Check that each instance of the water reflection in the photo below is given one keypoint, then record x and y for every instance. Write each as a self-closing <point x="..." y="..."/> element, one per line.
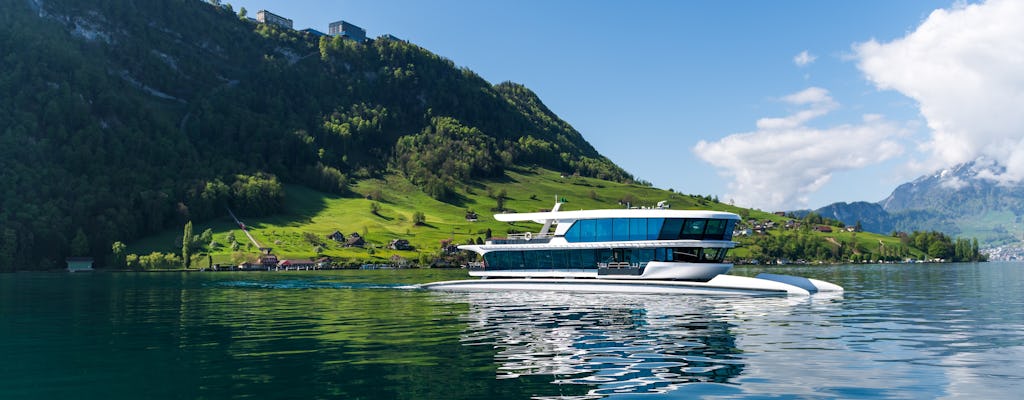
<point x="612" y="343"/>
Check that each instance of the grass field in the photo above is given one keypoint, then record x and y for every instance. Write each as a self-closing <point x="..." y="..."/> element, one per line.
<point x="309" y="213"/>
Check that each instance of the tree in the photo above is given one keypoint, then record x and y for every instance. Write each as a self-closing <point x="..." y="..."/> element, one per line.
<point x="375" y="208"/>
<point x="8" y="246"/>
<point x="242" y="12"/>
<point x="80" y="244"/>
<point x="118" y="249"/>
<point x="418" y="218"/>
<point x="500" y="203"/>
<point x="186" y="245"/>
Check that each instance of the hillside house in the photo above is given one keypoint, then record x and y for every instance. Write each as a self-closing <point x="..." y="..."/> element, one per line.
<point x="268" y="259"/>
<point x="337" y="236"/>
<point x="399" y="244"/>
<point x="296" y="264"/>
<point x="347" y="30"/>
<point x="313" y="32"/>
<point x="269" y="18"/>
<point x="354" y="240"/>
<point x="471" y="216"/>
<point x="399" y="261"/>
<point x="823" y="229"/>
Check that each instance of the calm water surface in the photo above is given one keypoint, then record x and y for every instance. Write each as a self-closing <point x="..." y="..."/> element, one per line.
<point x="900" y="331"/>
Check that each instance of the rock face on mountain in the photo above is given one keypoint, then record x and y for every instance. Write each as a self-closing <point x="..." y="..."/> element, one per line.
<point x="967" y="200"/>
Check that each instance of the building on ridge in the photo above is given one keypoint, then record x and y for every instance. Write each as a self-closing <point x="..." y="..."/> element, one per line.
<point x="347" y="30"/>
<point x="268" y="17"/>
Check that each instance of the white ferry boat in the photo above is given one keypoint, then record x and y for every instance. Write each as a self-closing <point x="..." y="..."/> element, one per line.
<point x="655" y="250"/>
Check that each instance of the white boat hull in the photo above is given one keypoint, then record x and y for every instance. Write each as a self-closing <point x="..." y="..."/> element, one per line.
<point x="719" y="285"/>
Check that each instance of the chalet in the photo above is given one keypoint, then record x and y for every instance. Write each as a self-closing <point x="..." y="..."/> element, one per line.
<point x="780" y="213"/>
<point x="79" y="264"/>
<point x="471" y="216"/>
<point x="823" y="229"/>
<point x="337" y="236"/>
<point x="399" y="244"/>
<point x="296" y="264"/>
<point x="268" y="259"/>
<point x="399" y="261"/>
<point x="354" y="240"/>
<point x="323" y="262"/>
<point x="447" y="247"/>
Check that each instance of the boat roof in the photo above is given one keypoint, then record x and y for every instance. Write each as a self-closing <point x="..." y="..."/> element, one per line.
<point x="570" y="216"/>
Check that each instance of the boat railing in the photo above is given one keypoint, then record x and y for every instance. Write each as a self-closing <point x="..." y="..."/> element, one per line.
<point x="528" y="237"/>
<point x="621" y="264"/>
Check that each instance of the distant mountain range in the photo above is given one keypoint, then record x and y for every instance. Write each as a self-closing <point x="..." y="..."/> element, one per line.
<point x="960" y="201"/>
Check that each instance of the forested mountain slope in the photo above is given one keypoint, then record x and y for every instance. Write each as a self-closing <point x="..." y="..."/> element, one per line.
<point x="121" y="118"/>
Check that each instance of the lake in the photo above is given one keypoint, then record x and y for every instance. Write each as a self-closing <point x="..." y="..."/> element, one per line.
<point x="899" y="331"/>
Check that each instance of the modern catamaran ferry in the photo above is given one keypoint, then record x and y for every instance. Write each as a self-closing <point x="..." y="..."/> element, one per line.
<point x="653" y="250"/>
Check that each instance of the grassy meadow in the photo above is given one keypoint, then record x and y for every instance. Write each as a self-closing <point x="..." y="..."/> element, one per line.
<point x="312" y="214"/>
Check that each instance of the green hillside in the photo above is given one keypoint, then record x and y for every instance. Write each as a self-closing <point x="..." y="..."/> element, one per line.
<point x="313" y="215"/>
<point x="122" y="119"/>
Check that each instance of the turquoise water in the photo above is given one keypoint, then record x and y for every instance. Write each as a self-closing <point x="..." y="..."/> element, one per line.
<point x="900" y="331"/>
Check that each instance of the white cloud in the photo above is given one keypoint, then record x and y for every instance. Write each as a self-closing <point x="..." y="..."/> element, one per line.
<point x="777" y="166"/>
<point x="965" y="68"/>
<point x="804" y="58"/>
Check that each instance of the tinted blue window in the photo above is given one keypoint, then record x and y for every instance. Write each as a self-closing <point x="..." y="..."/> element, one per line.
<point x="728" y="229"/>
<point x="621" y="229"/>
<point x="670" y="229"/>
<point x="588" y="229"/>
<point x="653" y="227"/>
<point x="604" y="230"/>
<point x="573" y="234"/>
<point x="715" y="229"/>
<point x="637" y="228"/>
<point x="693" y="229"/>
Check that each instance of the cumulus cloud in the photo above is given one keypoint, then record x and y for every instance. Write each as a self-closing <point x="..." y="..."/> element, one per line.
<point x="965" y="68"/>
<point x="784" y="160"/>
<point x="804" y="58"/>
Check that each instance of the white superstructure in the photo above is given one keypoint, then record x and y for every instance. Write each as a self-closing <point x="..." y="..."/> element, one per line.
<point x="625" y="250"/>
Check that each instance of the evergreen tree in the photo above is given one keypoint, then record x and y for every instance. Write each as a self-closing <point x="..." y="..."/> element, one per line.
<point x="186" y="245"/>
<point x="80" y="244"/>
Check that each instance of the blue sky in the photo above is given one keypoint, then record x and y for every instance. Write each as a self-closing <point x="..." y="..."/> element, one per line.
<point x="712" y="97"/>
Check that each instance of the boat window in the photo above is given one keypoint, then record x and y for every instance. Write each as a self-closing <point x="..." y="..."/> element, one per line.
<point x="687" y="254"/>
<point x="693" y="229"/>
<point x="642" y="255"/>
<point x="604" y="230"/>
<point x="637" y="228"/>
<point x="588" y="229"/>
<point x="653" y="227"/>
<point x="715" y="229"/>
<point x="728" y="229"/>
<point x="711" y="254"/>
<point x="620" y="229"/>
<point x="670" y="229"/>
<point x="573" y="233"/>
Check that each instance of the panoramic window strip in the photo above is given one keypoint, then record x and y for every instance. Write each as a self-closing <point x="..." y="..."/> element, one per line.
<point x="589" y="259"/>
<point x="633" y="229"/>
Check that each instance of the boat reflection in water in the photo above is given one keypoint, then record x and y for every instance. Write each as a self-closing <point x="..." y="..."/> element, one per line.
<point x="616" y="343"/>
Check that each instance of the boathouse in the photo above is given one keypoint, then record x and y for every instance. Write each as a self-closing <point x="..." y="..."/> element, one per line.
<point x="79" y="264"/>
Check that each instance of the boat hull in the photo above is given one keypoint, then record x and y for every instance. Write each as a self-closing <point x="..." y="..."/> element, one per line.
<point x="654" y="270"/>
<point x="719" y="285"/>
